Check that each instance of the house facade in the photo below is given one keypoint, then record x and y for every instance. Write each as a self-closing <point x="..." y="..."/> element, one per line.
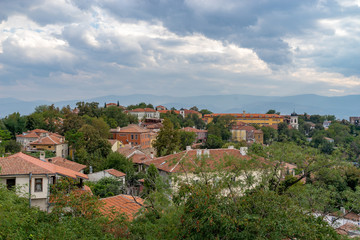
<point x="248" y="118"/>
<point x="201" y="135"/>
<point x="33" y="177"/>
<point x="132" y="134"/>
<point x="142" y="113"/>
<point x="41" y="140"/>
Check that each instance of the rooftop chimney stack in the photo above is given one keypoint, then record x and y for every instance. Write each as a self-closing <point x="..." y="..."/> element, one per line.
<point x="198" y="153"/>
<point x="188" y="148"/>
<point x="231" y="147"/>
<point x="243" y="151"/>
<point x="90" y="169"/>
<point x="206" y="152"/>
<point x="42" y="156"/>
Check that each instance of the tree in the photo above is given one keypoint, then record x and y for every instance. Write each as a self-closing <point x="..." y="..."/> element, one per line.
<point x="107" y="187"/>
<point x="270" y="134"/>
<point x="15" y="123"/>
<point x="205" y="111"/>
<point x="151" y="178"/>
<point x="213" y="141"/>
<point x="194" y="108"/>
<point x="186" y="139"/>
<point x="12" y="146"/>
<point x="168" y="139"/>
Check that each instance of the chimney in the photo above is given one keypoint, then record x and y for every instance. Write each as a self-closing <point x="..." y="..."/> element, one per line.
<point x="206" y="152"/>
<point x="243" y="151"/>
<point x="188" y="148"/>
<point x="231" y="147"/>
<point x="342" y="210"/>
<point x="42" y="156"/>
<point x="118" y="129"/>
<point x="198" y="153"/>
<point x="151" y="155"/>
<point x="90" y="169"/>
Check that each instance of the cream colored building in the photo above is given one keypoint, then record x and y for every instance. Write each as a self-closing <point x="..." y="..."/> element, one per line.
<point x="33" y="177"/>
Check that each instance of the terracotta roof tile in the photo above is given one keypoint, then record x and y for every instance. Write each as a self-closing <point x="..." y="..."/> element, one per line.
<point x="21" y="163"/>
<point x="246" y="115"/>
<point x="142" y="110"/>
<point x="190" y="129"/>
<point x="139" y="158"/>
<point x="49" y="140"/>
<point x="187" y="160"/>
<point x="133" y="128"/>
<point x="122" y="203"/>
<point x="115" y="173"/>
<point x="77" y="167"/>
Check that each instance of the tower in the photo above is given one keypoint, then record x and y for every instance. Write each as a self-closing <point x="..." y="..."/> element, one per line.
<point x="294" y="120"/>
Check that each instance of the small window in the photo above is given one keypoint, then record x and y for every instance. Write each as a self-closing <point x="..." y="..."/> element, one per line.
<point x="132" y="137"/>
<point x="49" y="146"/>
<point x="10" y="183"/>
<point x="136" y="136"/>
<point x="38" y="185"/>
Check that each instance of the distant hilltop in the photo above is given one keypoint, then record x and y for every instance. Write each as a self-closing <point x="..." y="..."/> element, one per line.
<point x="342" y="107"/>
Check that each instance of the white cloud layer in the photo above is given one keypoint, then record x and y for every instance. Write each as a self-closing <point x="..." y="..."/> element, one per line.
<point x="58" y="50"/>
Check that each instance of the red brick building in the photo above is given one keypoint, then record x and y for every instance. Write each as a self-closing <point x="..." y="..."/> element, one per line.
<point x="132" y="134"/>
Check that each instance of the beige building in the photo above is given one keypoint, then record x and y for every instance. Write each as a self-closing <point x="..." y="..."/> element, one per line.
<point x="33" y="177"/>
<point x="41" y="140"/>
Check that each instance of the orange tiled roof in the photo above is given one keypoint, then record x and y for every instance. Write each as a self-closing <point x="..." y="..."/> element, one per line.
<point x="29" y="135"/>
<point x="122" y="203"/>
<point x="112" y="141"/>
<point x="142" y="110"/>
<point x="77" y="167"/>
<point x="246" y="128"/>
<point x="186" y="160"/>
<point x="169" y="111"/>
<point x="126" y="151"/>
<point x="246" y="115"/>
<point x="190" y="129"/>
<point x="21" y="163"/>
<point x="115" y="172"/>
<point x="133" y="128"/>
<point x="49" y="140"/>
<point x="139" y="158"/>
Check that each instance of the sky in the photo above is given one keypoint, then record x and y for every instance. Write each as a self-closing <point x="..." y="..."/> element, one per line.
<point x="79" y="49"/>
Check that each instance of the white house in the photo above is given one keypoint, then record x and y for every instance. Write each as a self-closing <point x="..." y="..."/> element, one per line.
<point x="33" y="177"/>
<point x="96" y="176"/>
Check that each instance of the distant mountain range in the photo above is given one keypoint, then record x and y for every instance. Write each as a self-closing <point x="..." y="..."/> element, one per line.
<point x="341" y="107"/>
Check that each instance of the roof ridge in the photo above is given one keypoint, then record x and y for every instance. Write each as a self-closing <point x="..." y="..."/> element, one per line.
<point x="179" y="161"/>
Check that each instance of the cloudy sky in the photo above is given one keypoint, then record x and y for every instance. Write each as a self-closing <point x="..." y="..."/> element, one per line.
<point x="77" y="49"/>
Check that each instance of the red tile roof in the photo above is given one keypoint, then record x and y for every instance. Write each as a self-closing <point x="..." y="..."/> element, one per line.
<point x="77" y="167"/>
<point x="122" y="203"/>
<point x="246" y="128"/>
<point x="115" y="173"/>
<point x="346" y="228"/>
<point x="126" y="151"/>
<point x="187" y="160"/>
<point x="142" y="110"/>
<point x="190" y="129"/>
<point x="21" y="163"/>
<point x="29" y="135"/>
<point x="246" y="115"/>
<point x="139" y="158"/>
<point x="49" y="140"/>
<point x="112" y="141"/>
<point x="133" y="128"/>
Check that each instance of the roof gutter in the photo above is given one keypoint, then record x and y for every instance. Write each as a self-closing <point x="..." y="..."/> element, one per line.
<point x="30" y="175"/>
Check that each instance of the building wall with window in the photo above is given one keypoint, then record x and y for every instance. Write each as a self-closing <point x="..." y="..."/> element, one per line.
<point x="39" y="189"/>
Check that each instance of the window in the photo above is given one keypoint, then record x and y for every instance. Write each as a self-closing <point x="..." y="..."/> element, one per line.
<point x="135" y="136"/>
<point x="38" y="185"/>
<point x="132" y="137"/>
<point x="49" y="146"/>
<point x="10" y="183"/>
